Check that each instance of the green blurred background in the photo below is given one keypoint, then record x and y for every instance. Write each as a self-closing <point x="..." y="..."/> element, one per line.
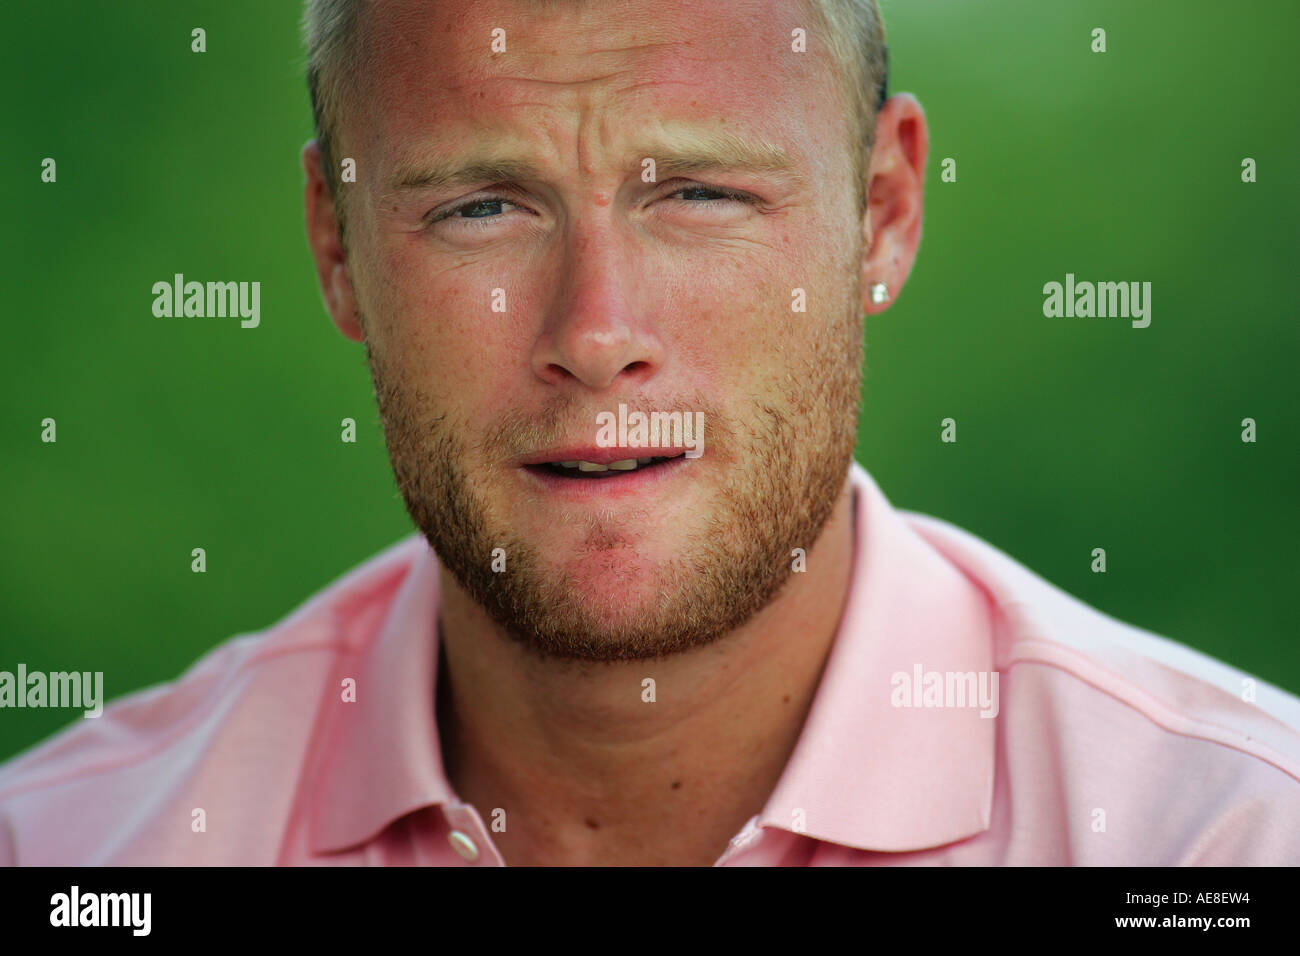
<point x="1072" y="433"/>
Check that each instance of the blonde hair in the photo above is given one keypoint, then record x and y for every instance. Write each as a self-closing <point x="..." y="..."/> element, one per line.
<point x="854" y="30"/>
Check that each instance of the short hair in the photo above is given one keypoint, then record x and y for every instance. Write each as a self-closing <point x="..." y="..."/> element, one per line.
<point x="854" y="30"/>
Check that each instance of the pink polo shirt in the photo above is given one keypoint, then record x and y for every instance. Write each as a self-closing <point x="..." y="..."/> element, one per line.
<point x="1104" y="744"/>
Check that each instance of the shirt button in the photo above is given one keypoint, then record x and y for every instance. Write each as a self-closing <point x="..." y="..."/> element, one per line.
<point x="463" y="845"/>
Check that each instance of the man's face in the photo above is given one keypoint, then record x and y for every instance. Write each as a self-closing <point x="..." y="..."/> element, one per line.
<point x="516" y="276"/>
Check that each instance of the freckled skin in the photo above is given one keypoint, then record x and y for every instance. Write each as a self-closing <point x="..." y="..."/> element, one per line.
<point x="617" y="291"/>
<point x="700" y="300"/>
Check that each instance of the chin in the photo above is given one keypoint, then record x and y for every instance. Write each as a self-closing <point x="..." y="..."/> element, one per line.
<point x="612" y="583"/>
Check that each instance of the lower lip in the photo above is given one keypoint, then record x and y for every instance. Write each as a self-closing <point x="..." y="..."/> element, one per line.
<point x="623" y="484"/>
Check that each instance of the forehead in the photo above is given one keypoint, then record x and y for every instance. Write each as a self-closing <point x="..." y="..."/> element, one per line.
<point x="602" y="72"/>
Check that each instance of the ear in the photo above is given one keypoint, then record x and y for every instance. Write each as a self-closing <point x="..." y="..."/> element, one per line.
<point x="327" y="246"/>
<point x="891" y="226"/>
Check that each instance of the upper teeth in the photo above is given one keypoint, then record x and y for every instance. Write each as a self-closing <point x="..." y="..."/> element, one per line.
<point x="627" y="464"/>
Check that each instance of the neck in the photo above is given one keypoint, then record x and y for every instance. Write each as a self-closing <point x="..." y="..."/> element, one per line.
<point x="589" y="773"/>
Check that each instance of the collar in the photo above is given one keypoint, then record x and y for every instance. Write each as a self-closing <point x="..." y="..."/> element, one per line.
<point x="383" y="758"/>
<point x="864" y="773"/>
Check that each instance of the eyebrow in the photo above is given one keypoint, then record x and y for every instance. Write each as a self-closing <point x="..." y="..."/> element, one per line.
<point x="720" y="152"/>
<point x="680" y="155"/>
<point x="461" y="172"/>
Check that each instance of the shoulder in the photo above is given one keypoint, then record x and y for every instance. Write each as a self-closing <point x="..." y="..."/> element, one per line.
<point x="1182" y="758"/>
<point x="236" y="724"/>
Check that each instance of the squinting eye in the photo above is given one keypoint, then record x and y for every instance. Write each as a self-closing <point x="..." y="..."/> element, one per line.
<point x="695" y="193"/>
<point x="705" y="194"/>
<point x="476" y="212"/>
<point x="478" y="209"/>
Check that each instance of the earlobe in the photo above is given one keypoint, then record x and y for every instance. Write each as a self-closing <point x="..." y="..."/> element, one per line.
<point x="877" y="268"/>
<point x="343" y="309"/>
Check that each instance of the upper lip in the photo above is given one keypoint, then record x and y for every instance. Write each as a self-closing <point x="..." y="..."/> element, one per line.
<point x="597" y="455"/>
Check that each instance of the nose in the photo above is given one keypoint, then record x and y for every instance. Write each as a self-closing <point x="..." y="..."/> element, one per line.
<point x="597" y="330"/>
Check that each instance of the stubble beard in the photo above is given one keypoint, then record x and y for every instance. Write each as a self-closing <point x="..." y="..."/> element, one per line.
<point x="788" y="465"/>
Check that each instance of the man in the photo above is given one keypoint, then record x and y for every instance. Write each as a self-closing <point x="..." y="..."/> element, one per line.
<point x="609" y="264"/>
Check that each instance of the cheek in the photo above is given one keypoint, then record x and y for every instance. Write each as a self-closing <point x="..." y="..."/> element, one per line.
<point x="439" y="328"/>
<point x="731" y="319"/>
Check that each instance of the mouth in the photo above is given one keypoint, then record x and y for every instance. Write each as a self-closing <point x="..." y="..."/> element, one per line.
<point x="601" y="474"/>
<point x="581" y="470"/>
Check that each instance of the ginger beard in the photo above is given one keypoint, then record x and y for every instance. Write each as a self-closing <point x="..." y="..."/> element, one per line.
<point x="782" y="469"/>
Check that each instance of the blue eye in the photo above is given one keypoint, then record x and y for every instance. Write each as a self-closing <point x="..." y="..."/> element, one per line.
<point x="475" y="211"/>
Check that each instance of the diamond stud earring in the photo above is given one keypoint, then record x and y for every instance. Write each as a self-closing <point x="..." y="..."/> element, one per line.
<point x="879" y="293"/>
